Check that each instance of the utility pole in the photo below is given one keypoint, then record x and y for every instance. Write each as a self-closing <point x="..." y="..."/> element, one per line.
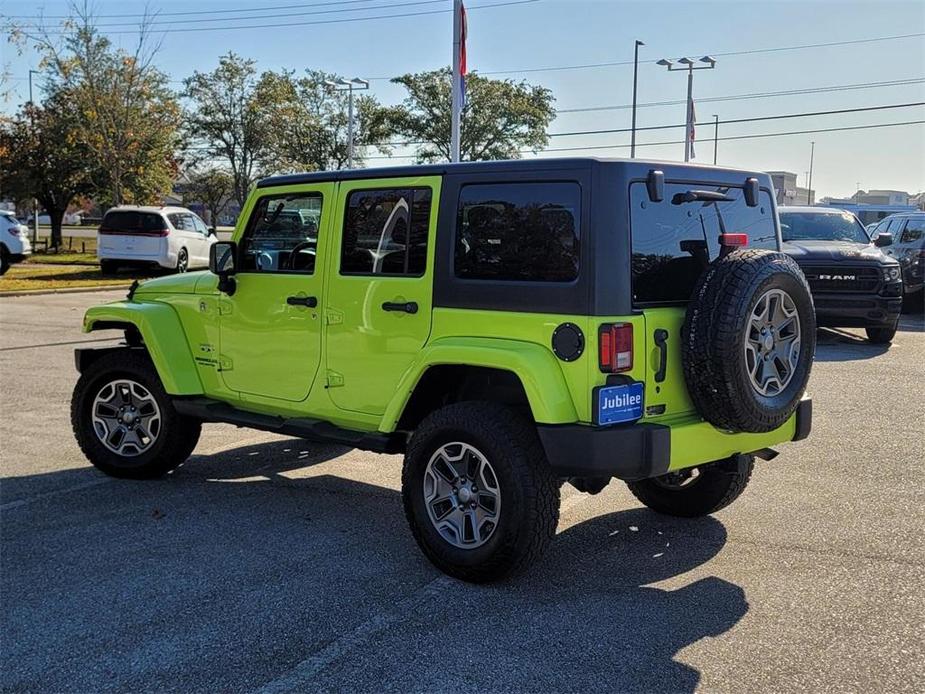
<point x="459" y="68"/>
<point x="715" y="137"/>
<point x="635" y="81"/>
<point x="688" y="65"/>
<point x="349" y="86"/>
<point x="809" y="184"/>
<point x="35" y="203"/>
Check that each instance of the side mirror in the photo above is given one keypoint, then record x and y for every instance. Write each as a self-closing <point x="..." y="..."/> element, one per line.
<point x="883" y="239"/>
<point x="212" y="231"/>
<point x="222" y="262"/>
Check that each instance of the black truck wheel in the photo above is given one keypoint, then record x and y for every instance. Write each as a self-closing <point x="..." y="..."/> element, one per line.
<point x="124" y="420"/>
<point x="882" y="335"/>
<point x="696" y="491"/>
<point x="748" y="340"/>
<point x="478" y="492"/>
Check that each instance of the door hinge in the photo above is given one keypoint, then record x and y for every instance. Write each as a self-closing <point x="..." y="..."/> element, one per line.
<point x="334" y="380"/>
<point x="333" y="317"/>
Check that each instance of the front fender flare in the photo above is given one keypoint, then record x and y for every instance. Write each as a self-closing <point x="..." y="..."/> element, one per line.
<point x="163" y="336"/>
<point x="535" y="366"/>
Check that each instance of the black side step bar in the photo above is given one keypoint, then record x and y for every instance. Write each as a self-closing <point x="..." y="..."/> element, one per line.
<point x="302" y="427"/>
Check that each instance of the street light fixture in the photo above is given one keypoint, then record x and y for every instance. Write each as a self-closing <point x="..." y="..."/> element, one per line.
<point x="349" y="86"/>
<point x="689" y="65"/>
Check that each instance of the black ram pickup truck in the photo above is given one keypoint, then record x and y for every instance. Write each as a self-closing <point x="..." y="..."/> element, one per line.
<point x="854" y="284"/>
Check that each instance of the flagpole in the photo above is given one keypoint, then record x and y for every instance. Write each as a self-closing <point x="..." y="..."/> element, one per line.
<point x="457" y="82"/>
<point x="690" y="112"/>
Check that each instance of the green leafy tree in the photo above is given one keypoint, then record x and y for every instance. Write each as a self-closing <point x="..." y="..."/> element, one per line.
<point x="228" y="121"/>
<point x="310" y="121"/>
<point x="211" y="187"/>
<point x="43" y="155"/>
<point x="129" y="119"/>
<point x="501" y="117"/>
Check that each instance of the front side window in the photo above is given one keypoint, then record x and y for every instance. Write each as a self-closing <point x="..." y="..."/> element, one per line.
<point x="385" y="232"/>
<point x="525" y="232"/>
<point x="915" y="229"/>
<point x="282" y="234"/>
<point x="675" y="239"/>
<point x="822" y="226"/>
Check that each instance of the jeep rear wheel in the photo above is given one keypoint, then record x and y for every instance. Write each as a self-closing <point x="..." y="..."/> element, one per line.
<point x="748" y="341"/>
<point x="478" y="492"/>
<point x="125" y="422"/>
<point x="696" y="491"/>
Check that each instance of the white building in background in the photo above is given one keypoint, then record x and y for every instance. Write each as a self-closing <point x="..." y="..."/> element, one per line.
<point x="881" y="197"/>
<point x="787" y="190"/>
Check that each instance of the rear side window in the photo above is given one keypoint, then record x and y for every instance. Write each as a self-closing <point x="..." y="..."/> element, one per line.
<point x="526" y="232"/>
<point x="129" y="221"/>
<point x="674" y="241"/>
<point x="385" y="232"/>
<point x="914" y="230"/>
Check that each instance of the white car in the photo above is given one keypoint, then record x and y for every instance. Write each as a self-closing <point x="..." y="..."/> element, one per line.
<point x="14" y="241"/>
<point x="168" y="237"/>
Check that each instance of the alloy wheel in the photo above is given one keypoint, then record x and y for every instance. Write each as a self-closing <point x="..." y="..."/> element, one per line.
<point x="772" y="342"/>
<point x="126" y="417"/>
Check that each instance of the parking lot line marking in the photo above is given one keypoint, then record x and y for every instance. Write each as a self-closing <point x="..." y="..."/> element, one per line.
<point x="299" y="677"/>
<point x="38" y="497"/>
<point x="58" y="344"/>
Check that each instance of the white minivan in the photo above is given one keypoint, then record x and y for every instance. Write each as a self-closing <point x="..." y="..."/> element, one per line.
<point x="14" y="241"/>
<point x="169" y="237"/>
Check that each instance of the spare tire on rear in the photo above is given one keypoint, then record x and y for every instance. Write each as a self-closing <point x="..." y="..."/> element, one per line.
<point x="748" y="341"/>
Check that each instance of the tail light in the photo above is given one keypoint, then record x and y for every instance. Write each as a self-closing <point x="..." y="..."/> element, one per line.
<point x="13" y="229"/>
<point x="733" y="239"/>
<point x="108" y="231"/>
<point x="616" y="347"/>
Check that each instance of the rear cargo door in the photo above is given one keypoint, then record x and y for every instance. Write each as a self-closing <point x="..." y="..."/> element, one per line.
<point x="132" y="234"/>
<point x="673" y="243"/>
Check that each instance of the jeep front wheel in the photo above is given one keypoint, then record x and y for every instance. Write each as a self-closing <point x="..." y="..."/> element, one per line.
<point x="478" y="492"/>
<point x="124" y="420"/>
<point x="696" y="491"/>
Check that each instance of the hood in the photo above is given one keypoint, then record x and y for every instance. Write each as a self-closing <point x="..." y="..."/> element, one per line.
<point x="172" y="284"/>
<point x="833" y="251"/>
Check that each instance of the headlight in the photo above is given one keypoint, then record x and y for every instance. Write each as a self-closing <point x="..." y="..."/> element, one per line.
<point x="891" y="273"/>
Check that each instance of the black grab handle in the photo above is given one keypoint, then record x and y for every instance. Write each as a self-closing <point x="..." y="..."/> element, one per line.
<point x="661" y="339"/>
<point x="309" y="301"/>
<point x="406" y="306"/>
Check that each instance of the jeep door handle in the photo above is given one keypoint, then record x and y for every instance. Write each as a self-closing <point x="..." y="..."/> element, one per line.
<point x="406" y="306"/>
<point x="308" y="301"/>
<point x="661" y="340"/>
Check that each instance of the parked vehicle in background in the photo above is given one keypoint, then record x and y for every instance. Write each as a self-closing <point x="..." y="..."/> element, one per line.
<point x="868" y="213"/>
<point x="167" y="237"/>
<point x="70" y="218"/>
<point x="14" y="241"/>
<point x="508" y="326"/>
<point x="854" y="284"/>
<point x="907" y="232"/>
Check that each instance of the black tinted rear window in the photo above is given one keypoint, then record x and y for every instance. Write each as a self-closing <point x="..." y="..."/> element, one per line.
<point x="519" y="231"/>
<point x="673" y="243"/>
<point x="129" y="221"/>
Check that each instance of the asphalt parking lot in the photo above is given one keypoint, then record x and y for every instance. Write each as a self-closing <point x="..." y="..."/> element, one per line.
<point x="272" y="564"/>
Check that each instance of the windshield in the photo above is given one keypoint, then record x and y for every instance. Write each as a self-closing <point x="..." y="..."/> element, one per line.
<point x="821" y="226"/>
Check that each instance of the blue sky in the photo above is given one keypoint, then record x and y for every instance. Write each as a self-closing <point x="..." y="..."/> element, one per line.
<point x="549" y="33"/>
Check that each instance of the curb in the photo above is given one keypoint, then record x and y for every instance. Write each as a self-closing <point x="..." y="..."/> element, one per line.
<point x="64" y="290"/>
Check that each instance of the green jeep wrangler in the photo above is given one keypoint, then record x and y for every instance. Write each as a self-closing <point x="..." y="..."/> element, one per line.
<point x="507" y="326"/>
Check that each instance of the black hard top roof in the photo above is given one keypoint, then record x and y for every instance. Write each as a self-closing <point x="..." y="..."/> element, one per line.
<point x="536" y="164"/>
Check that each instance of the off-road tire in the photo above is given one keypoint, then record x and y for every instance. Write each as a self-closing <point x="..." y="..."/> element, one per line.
<point x="178" y="433"/>
<point x="529" y="491"/>
<point x="713" y="336"/>
<point x="882" y="335"/>
<point x="717" y="486"/>
<point x="108" y="267"/>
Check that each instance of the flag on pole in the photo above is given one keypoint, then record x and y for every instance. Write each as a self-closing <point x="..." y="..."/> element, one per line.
<point x="692" y="119"/>
<point x="462" y="56"/>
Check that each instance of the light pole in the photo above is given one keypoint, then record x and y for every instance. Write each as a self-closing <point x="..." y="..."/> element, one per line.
<point x="35" y="203"/>
<point x="349" y="86"/>
<point x="809" y="183"/>
<point x="635" y="80"/>
<point x="715" y="136"/>
<point x="688" y="64"/>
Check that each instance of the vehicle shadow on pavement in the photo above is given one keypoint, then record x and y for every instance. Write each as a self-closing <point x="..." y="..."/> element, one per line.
<point x="836" y="344"/>
<point x="230" y="573"/>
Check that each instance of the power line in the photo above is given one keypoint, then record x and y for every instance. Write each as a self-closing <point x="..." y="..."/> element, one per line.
<point x="349" y="20"/>
<point x="681" y="142"/>
<point x="805" y="114"/>
<point x="753" y="95"/>
<point x="198" y="12"/>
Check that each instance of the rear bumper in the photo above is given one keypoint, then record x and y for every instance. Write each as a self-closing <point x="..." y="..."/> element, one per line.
<point x="856" y="310"/>
<point x="640" y="451"/>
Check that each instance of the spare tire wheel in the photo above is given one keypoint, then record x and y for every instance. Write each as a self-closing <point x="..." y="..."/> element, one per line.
<point x="748" y="340"/>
